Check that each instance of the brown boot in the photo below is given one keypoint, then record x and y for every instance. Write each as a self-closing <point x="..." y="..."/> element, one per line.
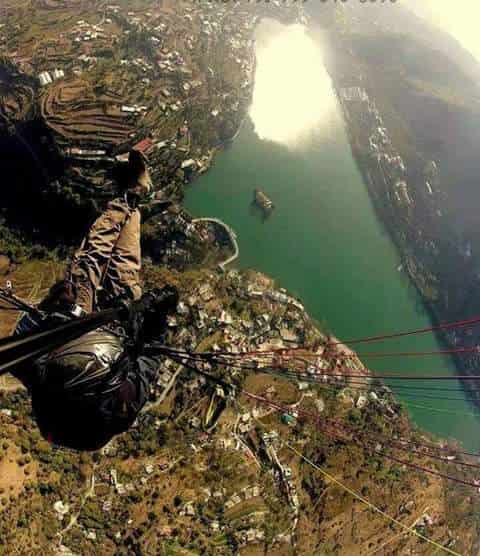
<point x="139" y="182"/>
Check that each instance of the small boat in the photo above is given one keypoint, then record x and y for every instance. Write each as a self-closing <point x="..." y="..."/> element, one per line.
<point x="263" y="201"/>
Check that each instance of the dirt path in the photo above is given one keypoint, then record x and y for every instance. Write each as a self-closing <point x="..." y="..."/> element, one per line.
<point x="89" y="493"/>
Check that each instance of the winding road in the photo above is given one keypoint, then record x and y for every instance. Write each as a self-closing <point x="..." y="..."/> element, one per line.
<point x="232" y="235"/>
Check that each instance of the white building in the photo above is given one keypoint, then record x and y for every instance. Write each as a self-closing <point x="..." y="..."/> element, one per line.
<point x="354" y="94"/>
<point x="190" y="163"/>
<point x="58" y="74"/>
<point x="45" y="78"/>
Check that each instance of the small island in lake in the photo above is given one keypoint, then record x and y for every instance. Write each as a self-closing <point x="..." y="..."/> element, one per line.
<point x="263" y="202"/>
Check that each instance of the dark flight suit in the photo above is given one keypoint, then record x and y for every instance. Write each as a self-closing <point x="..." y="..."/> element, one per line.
<point x="92" y="389"/>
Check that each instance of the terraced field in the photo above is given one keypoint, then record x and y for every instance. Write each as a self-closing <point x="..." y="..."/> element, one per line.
<point x="31" y="281"/>
<point x="74" y="112"/>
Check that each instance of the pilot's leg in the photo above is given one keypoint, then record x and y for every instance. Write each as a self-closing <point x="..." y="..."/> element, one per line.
<point x="109" y="257"/>
<point x="122" y="275"/>
<point x="94" y="260"/>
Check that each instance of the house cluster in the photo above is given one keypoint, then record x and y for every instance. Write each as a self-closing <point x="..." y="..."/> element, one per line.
<point x="140" y="63"/>
<point x="278" y="296"/>
<point x="176" y="237"/>
<point x="200" y="315"/>
<point x="160" y="50"/>
<point x="283" y="474"/>
<point x="61" y="509"/>
<point x="171" y="61"/>
<point x="249" y="536"/>
<point x="265" y="330"/>
<point x="413" y="196"/>
<point x="84" y="31"/>
<point x="239" y="334"/>
<point x="244" y="495"/>
<point x="391" y="168"/>
<point x="133" y="109"/>
<point x="354" y="94"/>
<point x="121" y="488"/>
<point x="167" y="371"/>
<point x="80" y="42"/>
<point x="245" y="423"/>
<point x="291" y="490"/>
<point x="47" y="77"/>
<point x="188" y="510"/>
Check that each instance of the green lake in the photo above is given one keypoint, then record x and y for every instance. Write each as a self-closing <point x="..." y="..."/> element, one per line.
<point x="324" y="241"/>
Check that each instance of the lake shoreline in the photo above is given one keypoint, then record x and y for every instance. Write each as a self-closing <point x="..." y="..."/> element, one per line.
<point x="411" y="263"/>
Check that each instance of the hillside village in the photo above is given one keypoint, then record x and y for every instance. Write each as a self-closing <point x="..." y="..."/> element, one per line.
<point x="86" y="82"/>
<point x="182" y="482"/>
<point x="409" y="180"/>
<point x="173" y="82"/>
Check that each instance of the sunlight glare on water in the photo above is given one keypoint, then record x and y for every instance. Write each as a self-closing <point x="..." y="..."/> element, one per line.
<point x="293" y="92"/>
<point x="459" y="18"/>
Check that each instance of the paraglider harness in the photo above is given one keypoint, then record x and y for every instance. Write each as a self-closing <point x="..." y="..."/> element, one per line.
<point x="59" y="330"/>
